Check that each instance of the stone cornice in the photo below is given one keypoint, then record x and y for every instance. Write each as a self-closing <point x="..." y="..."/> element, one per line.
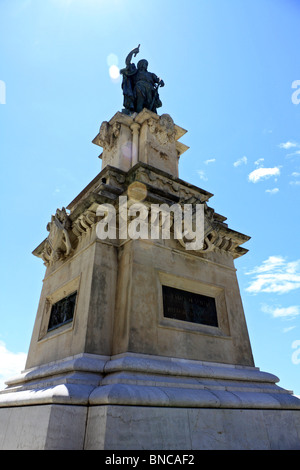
<point x="160" y="188"/>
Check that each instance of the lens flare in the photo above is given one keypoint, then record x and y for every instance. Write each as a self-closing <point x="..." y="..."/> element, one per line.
<point x="112" y="59"/>
<point x="137" y="191"/>
<point x="114" y="72"/>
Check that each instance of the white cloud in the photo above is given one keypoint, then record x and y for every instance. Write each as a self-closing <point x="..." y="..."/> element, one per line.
<point x="286" y="311"/>
<point x="297" y="152"/>
<point x="259" y="162"/>
<point x="11" y="364"/>
<point x="275" y="275"/>
<point x="271" y="263"/>
<point x="210" y="160"/>
<point x="288" y="145"/>
<point x="282" y="312"/>
<point x="263" y="173"/>
<point x="272" y="191"/>
<point x="295" y="174"/>
<point x="289" y="328"/>
<point x="241" y="161"/>
<point x="202" y="175"/>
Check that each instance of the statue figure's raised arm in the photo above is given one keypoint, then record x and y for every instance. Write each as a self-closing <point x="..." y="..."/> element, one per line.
<point x="140" y="87"/>
<point x="133" y="52"/>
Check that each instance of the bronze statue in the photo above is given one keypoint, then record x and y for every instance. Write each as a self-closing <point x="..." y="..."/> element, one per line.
<point x="140" y="87"/>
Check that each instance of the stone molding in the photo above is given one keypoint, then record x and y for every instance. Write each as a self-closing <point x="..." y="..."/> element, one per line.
<point x="143" y="380"/>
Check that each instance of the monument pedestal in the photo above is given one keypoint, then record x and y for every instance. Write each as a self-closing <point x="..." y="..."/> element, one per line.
<point x="140" y="342"/>
<point x="135" y="402"/>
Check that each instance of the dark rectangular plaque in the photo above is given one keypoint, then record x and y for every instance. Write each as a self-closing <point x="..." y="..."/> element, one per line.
<point x="62" y="312"/>
<point x="190" y="307"/>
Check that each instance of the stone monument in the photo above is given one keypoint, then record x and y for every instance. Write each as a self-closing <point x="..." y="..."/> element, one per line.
<point x="140" y="339"/>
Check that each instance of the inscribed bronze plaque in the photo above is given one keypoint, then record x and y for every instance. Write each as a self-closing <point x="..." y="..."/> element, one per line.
<point x="62" y="311"/>
<point x="188" y="306"/>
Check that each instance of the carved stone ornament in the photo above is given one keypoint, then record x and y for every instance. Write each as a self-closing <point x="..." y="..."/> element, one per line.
<point x="108" y="134"/>
<point x="84" y="223"/>
<point x="187" y="229"/>
<point x="58" y="244"/>
<point x="217" y="237"/>
<point x="164" y="128"/>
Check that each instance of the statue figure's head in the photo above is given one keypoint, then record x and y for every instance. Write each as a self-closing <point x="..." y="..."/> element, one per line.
<point x="142" y="64"/>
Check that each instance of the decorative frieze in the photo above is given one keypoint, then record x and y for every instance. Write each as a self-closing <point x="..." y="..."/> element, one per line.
<point x="65" y="231"/>
<point x="84" y="223"/>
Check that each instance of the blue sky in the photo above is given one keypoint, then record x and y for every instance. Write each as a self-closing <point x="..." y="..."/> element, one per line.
<point x="228" y="67"/>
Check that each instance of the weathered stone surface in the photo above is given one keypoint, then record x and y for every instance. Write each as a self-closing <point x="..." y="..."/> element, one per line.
<point x="144" y="137"/>
<point x="130" y="428"/>
<point x="45" y="427"/>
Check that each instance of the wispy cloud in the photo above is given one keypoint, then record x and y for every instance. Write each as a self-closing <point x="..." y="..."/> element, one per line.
<point x="282" y="312"/>
<point x="202" y="175"/>
<point x="297" y="152"/>
<point x="288" y="145"/>
<point x="275" y="275"/>
<point x="259" y="162"/>
<point x="289" y="328"/>
<point x="263" y="173"/>
<point x="241" y="161"/>
<point x="11" y="364"/>
<point x="295" y="174"/>
<point x="272" y="191"/>
<point x="210" y="160"/>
